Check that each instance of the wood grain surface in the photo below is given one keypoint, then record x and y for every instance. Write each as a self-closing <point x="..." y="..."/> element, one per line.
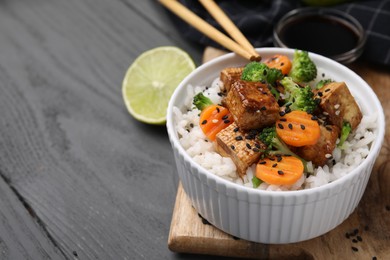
<point x="370" y="222"/>
<point x="81" y="179"/>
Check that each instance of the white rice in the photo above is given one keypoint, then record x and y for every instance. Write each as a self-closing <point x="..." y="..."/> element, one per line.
<point x="191" y="137"/>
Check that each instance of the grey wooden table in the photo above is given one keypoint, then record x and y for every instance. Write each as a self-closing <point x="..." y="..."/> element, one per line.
<point x="80" y="178"/>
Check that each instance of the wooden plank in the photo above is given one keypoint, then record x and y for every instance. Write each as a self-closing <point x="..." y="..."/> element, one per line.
<point x="190" y="234"/>
<point x="21" y="237"/>
<point x="101" y="183"/>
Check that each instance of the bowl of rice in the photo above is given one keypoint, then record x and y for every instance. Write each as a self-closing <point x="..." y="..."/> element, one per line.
<point x="272" y="214"/>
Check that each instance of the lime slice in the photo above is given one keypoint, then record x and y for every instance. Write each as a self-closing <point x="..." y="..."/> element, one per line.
<point x="150" y="81"/>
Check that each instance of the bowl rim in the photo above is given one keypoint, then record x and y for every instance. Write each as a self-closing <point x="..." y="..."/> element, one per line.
<point x="371" y="157"/>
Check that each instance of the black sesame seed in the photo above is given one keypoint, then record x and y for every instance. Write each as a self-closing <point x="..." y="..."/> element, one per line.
<point x="271" y="158"/>
<point x="274" y="165"/>
<point x="323" y="74"/>
<point x="248" y="146"/>
<point x="227" y="121"/>
<point x="290" y="126"/>
<point x="204" y="122"/>
<point x="354" y="249"/>
<point x="327" y="90"/>
<point x="319" y="94"/>
<point x="262" y="162"/>
<point x="256" y="150"/>
<point x="191" y="125"/>
<point x="220" y="94"/>
<point x="238" y="138"/>
<point x="236" y="129"/>
<point x="233" y="147"/>
<point x="218" y="109"/>
<point x="280" y="126"/>
<point x="280" y="172"/>
<point x="359" y="238"/>
<point x="347" y="235"/>
<point x="354" y="241"/>
<point x="282" y="64"/>
<point x="283" y="119"/>
<point x="279" y="158"/>
<point x="314" y="118"/>
<point x="282" y="113"/>
<point x="225" y="117"/>
<point x="263" y="108"/>
<point x="374" y="258"/>
<point x="303" y="127"/>
<point x="355" y="231"/>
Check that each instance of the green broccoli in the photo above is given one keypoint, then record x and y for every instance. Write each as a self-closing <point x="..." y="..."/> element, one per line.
<point x="201" y="101"/>
<point x="257" y="71"/>
<point x="345" y="131"/>
<point x="303" y="68"/>
<point x="299" y="98"/>
<point x="322" y="83"/>
<point x="275" y="146"/>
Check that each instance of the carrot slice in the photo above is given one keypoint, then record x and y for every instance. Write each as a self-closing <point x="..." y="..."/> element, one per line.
<point x="280" y="62"/>
<point x="298" y="128"/>
<point x="213" y="119"/>
<point x="281" y="170"/>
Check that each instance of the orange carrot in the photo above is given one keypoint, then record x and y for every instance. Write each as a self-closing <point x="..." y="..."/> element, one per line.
<point x="279" y="170"/>
<point x="298" y="128"/>
<point x="213" y="119"/>
<point x="280" y="62"/>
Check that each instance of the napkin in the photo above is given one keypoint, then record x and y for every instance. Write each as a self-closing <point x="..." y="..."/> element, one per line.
<point x="256" y="20"/>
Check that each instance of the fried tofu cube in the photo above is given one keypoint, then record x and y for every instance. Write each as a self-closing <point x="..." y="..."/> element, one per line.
<point x="339" y="105"/>
<point x="320" y="152"/>
<point x="242" y="147"/>
<point x="230" y="75"/>
<point x="252" y="105"/>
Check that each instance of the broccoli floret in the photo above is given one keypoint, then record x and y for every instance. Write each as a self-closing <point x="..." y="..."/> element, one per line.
<point x="275" y="146"/>
<point x="201" y="101"/>
<point x="299" y="98"/>
<point x="303" y="68"/>
<point x="345" y="131"/>
<point x="322" y="83"/>
<point x="257" y="71"/>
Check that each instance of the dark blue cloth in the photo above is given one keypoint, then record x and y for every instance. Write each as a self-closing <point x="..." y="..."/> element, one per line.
<point x="256" y="20"/>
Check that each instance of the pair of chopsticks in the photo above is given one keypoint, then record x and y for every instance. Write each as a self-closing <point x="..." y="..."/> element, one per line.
<point x="241" y="45"/>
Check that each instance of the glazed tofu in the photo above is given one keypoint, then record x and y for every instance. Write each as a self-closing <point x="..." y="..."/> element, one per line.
<point x="320" y="152"/>
<point x="252" y="105"/>
<point x="339" y="105"/>
<point x="230" y="75"/>
<point x="242" y="147"/>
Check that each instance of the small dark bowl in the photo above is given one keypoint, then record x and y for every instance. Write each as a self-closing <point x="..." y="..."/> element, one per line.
<point x="325" y="31"/>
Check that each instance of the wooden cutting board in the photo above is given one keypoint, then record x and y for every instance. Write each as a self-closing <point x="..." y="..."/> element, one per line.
<point x="364" y="235"/>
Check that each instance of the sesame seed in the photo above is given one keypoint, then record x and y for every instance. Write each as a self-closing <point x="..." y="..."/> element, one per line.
<point x="337" y="112"/>
<point x="347" y="235"/>
<point x="256" y="150"/>
<point x="227" y="121"/>
<point x="319" y="93"/>
<point x="191" y="125"/>
<point x="323" y="74"/>
<point x="280" y="172"/>
<point x="374" y="258"/>
<point x="215" y="121"/>
<point x="280" y="126"/>
<point x="354" y="249"/>
<point x="283" y="119"/>
<point x="204" y="122"/>
<point x="217" y="109"/>
<point x="327" y="90"/>
<point x="359" y="238"/>
<point x="274" y="165"/>
<point x="225" y="117"/>
<point x="282" y="64"/>
<point x="238" y="138"/>
<point x="248" y="146"/>
<point x="262" y="162"/>
<point x="290" y="126"/>
<point x="233" y="147"/>
<point x="303" y="127"/>
<point x="263" y="108"/>
<point x="236" y="129"/>
<point x="325" y="113"/>
<point x="282" y="113"/>
<point x="354" y="241"/>
<point x="328" y="155"/>
<point x="278" y="159"/>
<point x="336" y="106"/>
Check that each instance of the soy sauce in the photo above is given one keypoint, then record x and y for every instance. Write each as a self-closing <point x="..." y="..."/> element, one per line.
<point x="320" y="34"/>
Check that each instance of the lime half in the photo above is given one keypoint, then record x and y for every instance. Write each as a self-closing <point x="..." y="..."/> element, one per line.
<point x="150" y="81"/>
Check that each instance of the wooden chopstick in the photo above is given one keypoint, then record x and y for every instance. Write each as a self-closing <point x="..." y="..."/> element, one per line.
<point x="227" y="24"/>
<point x="204" y="27"/>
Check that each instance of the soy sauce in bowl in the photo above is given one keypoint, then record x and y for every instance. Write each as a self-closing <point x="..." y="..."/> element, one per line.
<point x="328" y="32"/>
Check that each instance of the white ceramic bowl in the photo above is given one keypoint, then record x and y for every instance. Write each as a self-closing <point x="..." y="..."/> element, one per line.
<point x="274" y="217"/>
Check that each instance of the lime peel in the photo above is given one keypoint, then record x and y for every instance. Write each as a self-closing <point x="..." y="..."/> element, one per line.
<point x="151" y="80"/>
